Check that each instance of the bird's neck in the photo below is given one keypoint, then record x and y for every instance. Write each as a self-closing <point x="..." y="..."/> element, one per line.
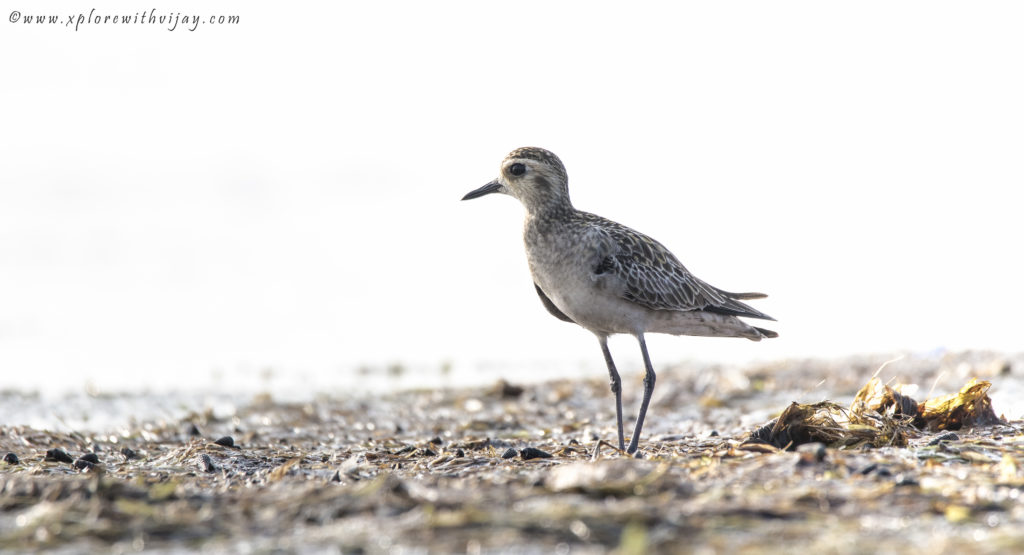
<point x="549" y="217"/>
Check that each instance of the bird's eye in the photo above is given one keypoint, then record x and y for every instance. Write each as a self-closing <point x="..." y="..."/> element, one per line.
<point x="517" y="169"/>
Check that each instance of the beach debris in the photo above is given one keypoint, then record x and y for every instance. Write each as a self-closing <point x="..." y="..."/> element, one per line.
<point x="504" y="390"/>
<point x="534" y="453"/>
<point x="970" y="407"/>
<point x="509" y="453"/>
<point x="948" y="436"/>
<point x="206" y="463"/>
<point x="618" y="476"/>
<point x="812" y="453"/>
<point x="58" y="455"/>
<point x="226" y="441"/>
<point x="880" y="415"/>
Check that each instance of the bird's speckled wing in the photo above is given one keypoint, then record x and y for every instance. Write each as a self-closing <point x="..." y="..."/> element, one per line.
<point x="655" y="278"/>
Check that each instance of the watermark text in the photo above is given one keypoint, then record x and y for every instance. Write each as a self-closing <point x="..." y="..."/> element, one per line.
<point x="172" y="21"/>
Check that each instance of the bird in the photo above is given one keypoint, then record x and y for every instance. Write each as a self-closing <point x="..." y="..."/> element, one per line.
<point x="610" y="279"/>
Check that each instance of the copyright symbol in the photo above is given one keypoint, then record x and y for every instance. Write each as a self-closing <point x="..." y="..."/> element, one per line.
<point x="15" y="16"/>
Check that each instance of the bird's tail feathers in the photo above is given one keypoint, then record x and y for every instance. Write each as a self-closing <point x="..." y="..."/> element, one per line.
<point x="766" y="333"/>
<point x="744" y="296"/>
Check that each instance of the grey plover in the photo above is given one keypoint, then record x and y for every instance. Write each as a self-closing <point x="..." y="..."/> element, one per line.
<point x="609" y="278"/>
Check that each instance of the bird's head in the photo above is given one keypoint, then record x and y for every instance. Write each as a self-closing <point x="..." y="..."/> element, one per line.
<point x="534" y="176"/>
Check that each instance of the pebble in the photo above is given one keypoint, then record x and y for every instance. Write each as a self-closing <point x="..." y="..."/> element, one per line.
<point x="812" y="452"/>
<point x="11" y="458"/>
<point x="904" y="480"/>
<point x="192" y="430"/>
<point x="90" y="457"/>
<point x="82" y="464"/>
<point x="947" y="436"/>
<point x="226" y="441"/>
<point x="58" y="455"/>
<point x="532" y="453"/>
<point x="509" y="453"/>
<point x="128" y="453"/>
<point x="207" y="463"/>
<point x="876" y="469"/>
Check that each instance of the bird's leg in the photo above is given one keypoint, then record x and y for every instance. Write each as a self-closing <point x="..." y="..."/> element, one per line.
<point x="616" y="387"/>
<point x="649" y="378"/>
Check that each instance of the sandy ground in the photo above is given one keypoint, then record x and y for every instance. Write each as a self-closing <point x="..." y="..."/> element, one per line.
<point x="512" y="468"/>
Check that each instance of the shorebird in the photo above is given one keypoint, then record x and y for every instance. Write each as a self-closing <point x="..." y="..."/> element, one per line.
<point x="608" y="278"/>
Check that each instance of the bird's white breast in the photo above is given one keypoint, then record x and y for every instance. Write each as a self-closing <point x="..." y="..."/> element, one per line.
<point x="563" y="263"/>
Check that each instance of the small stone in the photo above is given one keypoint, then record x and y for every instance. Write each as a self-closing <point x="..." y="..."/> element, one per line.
<point x="84" y="465"/>
<point x="812" y="452"/>
<point x="877" y="470"/>
<point x="427" y="452"/>
<point x="192" y="430"/>
<point x="947" y="436"/>
<point x="532" y="453"/>
<point x="226" y="441"/>
<point x="90" y="457"/>
<point x="713" y="433"/>
<point x="128" y="453"/>
<point x="509" y="453"/>
<point x="460" y="453"/>
<point x="436" y="440"/>
<point x="336" y="477"/>
<point x="905" y="480"/>
<point x="867" y="469"/>
<point x="11" y="458"/>
<point x="58" y="455"/>
<point x="207" y="463"/>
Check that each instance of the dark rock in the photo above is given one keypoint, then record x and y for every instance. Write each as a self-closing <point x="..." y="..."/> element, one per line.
<point x="82" y="464"/>
<point x="192" y="430"/>
<point x="90" y="457"/>
<point x="876" y="469"/>
<point x="947" y="436"/>
<point x="58" y="455"/>
<point x="905" y="480"/>
<point x="128" y="453"/>
<point x="436" y="440"/>
<point x="207" y="463"/>
<point x="460" y="453"/>
<point x="509" y="453"/>
<point x="532" y="453"/>
<point x="812" y="452"/>
<point x="226" y="441"/>
<point x="427" y="452"/>
<point x="11" y="458"/>
<point x="506" y="390"/>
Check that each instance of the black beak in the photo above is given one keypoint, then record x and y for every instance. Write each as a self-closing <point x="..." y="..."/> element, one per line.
<point x="491" y="187"/>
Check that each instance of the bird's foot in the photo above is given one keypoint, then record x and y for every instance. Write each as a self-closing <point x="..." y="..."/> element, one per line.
<point x="602" y="443"/>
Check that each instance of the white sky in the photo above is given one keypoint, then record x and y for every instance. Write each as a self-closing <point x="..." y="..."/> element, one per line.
<point x="284" y="192"/>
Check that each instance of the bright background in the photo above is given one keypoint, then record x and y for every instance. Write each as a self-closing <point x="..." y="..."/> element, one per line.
<point x="277" y="202"/>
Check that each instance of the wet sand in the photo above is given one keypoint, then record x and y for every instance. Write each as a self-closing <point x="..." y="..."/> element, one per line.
<point x="511" y="468"/>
